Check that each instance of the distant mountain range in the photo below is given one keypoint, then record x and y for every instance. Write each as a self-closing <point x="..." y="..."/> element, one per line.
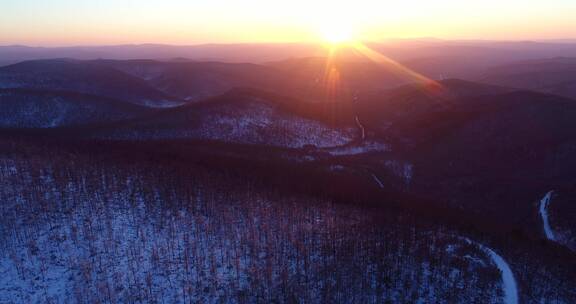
<point x="555" y="75"/>
<point x="485" y="52"/>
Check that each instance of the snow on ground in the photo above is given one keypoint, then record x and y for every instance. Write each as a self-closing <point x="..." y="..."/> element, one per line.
<point x="254" y="122"/>
<point x="336" y="168"/>
<point x="404" y="170"/>
<point x="364" y="147"/>
<point x="262" y="123"/>
<point x="544" y="203"/>
<point x="161" y="104"/>
<point x="509" y="284"/>
<point x="124" y="237"/>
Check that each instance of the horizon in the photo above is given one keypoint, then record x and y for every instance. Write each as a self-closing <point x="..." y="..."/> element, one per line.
<point x="431" y="40"/>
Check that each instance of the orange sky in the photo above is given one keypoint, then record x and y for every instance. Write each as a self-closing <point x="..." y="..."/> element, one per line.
<point x="80" y="22"/>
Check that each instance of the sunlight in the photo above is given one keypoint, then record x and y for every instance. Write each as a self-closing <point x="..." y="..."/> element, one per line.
<point x="394" y="66"/>
<point x="331" y="79"/>
<point x="340" y="31"/>
<point x="336" y="33"/>
<point x="336" y="29"/>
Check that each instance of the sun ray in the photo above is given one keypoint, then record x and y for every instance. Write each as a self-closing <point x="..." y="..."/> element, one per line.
<point x="394" y="66"/>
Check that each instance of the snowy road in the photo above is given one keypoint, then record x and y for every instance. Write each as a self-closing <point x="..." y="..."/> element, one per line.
<point x="378" y="181"/>
<point x="508" y="280"/>
<point x="361" y="127"/>
<point x="544" y="203"/>
<point x="363" y="138"/>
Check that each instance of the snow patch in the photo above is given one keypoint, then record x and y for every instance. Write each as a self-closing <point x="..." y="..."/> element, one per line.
<point x="404" y="170"/>
<point x="336" y="168"/>
<point x="252" y="123"/>
<point x="364" y="147"/>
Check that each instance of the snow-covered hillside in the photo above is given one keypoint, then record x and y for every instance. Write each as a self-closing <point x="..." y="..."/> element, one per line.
<point x="242" y="120"/>
<point x="47" y="109"/>
<point x="107" y="234"/>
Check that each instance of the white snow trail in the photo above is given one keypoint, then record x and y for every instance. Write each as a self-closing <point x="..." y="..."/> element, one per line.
<point x="508" y="280"/>
<point x="544" y="202"/>
<point x="361" y="127"/>
<point x="378" y="181"/>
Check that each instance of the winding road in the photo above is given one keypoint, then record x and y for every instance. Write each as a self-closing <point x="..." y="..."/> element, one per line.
<point x="363" y="138"/>
<point x="361" y="127"/>
<point x="378" y="181"/>
<point x="544" y="203"/>
<point x="510" y="286"/>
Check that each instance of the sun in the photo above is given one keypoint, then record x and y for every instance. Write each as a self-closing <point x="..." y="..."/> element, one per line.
<point x="336" y="32"/>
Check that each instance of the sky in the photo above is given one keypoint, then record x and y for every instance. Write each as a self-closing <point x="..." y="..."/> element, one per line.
<point x="184" y="22"/>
